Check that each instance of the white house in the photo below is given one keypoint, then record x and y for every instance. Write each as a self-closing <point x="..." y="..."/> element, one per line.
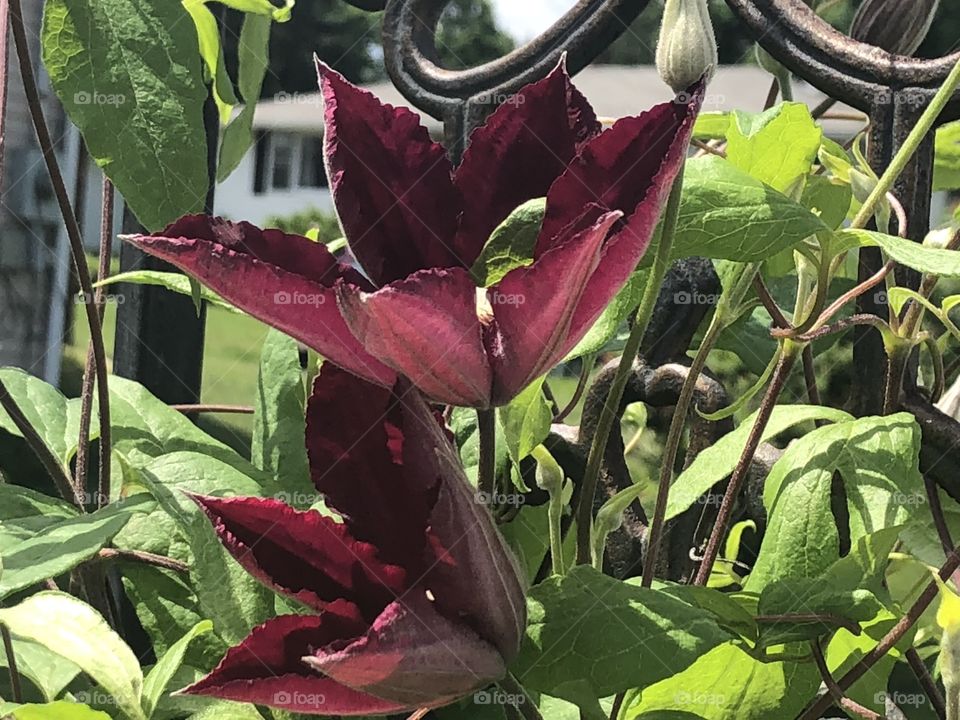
<point x="283" y="174"/>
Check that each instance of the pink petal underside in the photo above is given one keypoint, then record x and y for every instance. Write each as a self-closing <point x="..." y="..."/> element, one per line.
<point x="414" y="656"/>
<point x="425" y="327"/>
<point x="303" y="554"/>
<point x="518" y="153"/>
<point x="267" y="668"/>
<point x="355" y="439"/>
<point x="471" y="573"/>
<point x="636" y="158"/>
<point x="627" y="244"/>
<point x="391" y="183"/>
<point x="283" y="280"/>
<point x="534" y="306"/>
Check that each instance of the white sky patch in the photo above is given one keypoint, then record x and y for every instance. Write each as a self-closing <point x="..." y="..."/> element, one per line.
<point x="523" y="19"/>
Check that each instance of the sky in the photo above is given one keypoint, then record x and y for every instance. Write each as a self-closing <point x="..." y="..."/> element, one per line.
<point x="523" y="19"/>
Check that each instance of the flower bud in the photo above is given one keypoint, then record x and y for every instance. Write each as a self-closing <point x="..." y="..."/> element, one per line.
<point x="687" y="48"/>
<point x="897" y="26"/>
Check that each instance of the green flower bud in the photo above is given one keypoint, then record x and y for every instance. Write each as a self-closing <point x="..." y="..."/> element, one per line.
<point x="897" y="26"/>
<point x="687" y="48"/>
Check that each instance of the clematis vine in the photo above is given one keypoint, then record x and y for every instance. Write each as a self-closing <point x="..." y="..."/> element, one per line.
<point x="416" y="225"/>
<point x="417" y="602"/>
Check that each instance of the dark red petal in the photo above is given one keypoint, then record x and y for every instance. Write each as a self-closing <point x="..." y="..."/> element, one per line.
<point x="471" y="573"/>
<point x="391" y="183"/>
<point x="534" y="306"/>
<point x="284" y="280"/>
<point x="355" y="442"/>
<point x="633" y="161"/>
<point x="413" y="656"/>
<point x="425" y="327"/>
<point x="524" y="146"/>
<point x="267" y="668"/>
<point x="303" y="554"/>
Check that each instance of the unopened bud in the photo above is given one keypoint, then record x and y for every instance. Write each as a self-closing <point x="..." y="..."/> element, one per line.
<point x="687" y="48"/>
<point x="897" y="26"/>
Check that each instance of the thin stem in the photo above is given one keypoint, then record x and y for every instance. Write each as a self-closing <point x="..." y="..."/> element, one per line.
<point x="146" y="558"/>
<point x="896" y="365"/>
<point x="909" y="148"/>
<point x="206" y="408"/>
<point x="524" y="703"/>
<point x="55" y="469"/>
<point x="15" y="688"/>
<point x="780" y="374"/>
<point x="86" y="393"/>
<point x="674" y="435"/>
<point x="927" y="682"/>
<point x="818" y="707"/>
<point x="810" y="376"/>
<point x="487" y="470"/>
<point x="769" y="304"/>
<point x="617" y="704"/>
<point x="69" y="218"/>
<point x="586" y="363"/>
<point x="608" y="412"/>
<point x="840" y="326"/>
<point x="838" y="694"/>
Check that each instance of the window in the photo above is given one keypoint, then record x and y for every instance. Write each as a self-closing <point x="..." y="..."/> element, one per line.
<point x="312" y="172"/>
<point x="281" y="145"/>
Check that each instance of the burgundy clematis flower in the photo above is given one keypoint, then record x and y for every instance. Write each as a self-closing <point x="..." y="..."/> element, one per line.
<point x="417" y="225"/>
<point x="417" y="600"/>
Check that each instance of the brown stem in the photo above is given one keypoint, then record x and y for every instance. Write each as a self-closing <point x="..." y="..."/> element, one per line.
<point x="206" y="408"/>
<point x="780" y="374"/>
<point x="819" y="706"/>
<point x="525" y="704"/>
<point x="810" y="376"/>
<point x="147" y="558"/>
<point x="69" y="218"/>
<point x="587" y="366"/>
<point x="487" y="468"/>
<point x="820" y="110"/>
<point x="896" y="365"/>
<point x="55" y="469"/>
<point x="927" y="682"/>
<point x="834" y="690"/>
<point x="15" y="688"/>
<point x="769" y="304"/>
<point x="89" y="370"/>
<point x="669" y="459"/>
<point x="617" y="704"/>
<point x="840" y="326"/>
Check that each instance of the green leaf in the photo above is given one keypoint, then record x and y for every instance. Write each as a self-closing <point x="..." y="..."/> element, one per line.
<point x="946" y="169"/>
<point x="725" y="213"/>
<point x="24" y="512"/>
<point x="605" y="327"/>
<point x="262" y="7"/>
<point x="55" y="418"/>
<point x="160" y="675"/>
<point x="777" y="147"/>
<point x="586" y="628"/>
<point x="511" y="244"/>
<point x="728" y="613"/>
<point x="128" y="74"/>
<point x="208" y="36"/>
<point x="278" y="423"/>
<point x="48" y="671"/>
<point x="75" y="631"/>
<point x="247" y="603"/>
<point x="61" y="547"/>
<point x="525" y="420"/>
<point x="173" y="281"/>
<point x="253" y="51"/>
<point x="145" y="428"/>
<point x="937" y="261"/>
<point x="712" y="126"/>
<point x="728" y="684"/>
<point x="830" y="200"/>
<point x="718" y="461"/>
<point x="848" y="589"/>
<point x="745" y="397"/>
<point x="60" y="710"/>
<point x="877" y="458"/>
